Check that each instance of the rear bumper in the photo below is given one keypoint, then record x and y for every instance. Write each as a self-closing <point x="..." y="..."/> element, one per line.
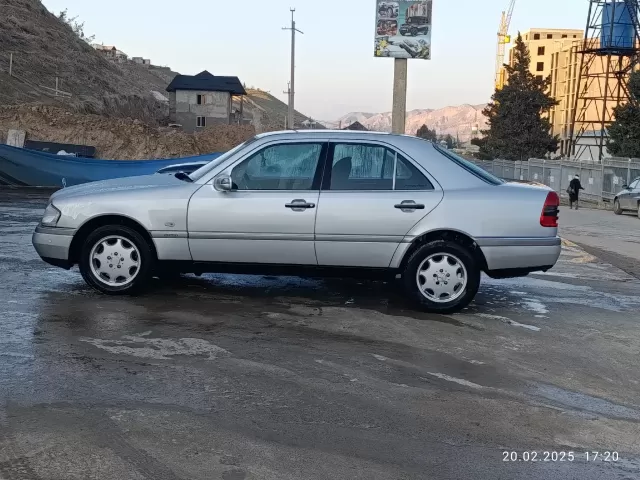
<point x="526" y="254"/>
<point x="53" y="245"/>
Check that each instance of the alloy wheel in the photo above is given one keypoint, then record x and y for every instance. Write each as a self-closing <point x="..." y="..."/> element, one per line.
<point x="115" y="261"/>
<point x="442" y="278"/>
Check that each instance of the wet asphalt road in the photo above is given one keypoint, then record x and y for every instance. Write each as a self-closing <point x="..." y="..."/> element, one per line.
<point x="239" y="377"/>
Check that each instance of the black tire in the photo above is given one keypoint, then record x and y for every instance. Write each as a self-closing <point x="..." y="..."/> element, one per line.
<point x="147" y="260"/>
<point x="616" y="207"/>
<point x="410" y="273"/>
<point x="414" y="32"/>
<point x="638" y="209"/>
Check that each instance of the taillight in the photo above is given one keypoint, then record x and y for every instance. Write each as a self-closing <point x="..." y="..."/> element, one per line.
<point x="550" y="210"/>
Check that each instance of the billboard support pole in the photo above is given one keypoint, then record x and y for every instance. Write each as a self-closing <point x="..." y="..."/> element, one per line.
<point x="399" y="110"/>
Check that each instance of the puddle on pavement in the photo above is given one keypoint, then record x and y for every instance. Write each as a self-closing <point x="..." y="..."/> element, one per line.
<point x="586" y="403"/>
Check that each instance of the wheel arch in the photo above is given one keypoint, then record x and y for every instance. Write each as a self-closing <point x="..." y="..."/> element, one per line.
<point x="103" y="220"/>
<point x="456" y="236"/>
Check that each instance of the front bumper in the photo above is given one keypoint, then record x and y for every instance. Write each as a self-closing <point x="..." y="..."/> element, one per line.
<point x="53" y="245"/>
<point x="520" y="253"/>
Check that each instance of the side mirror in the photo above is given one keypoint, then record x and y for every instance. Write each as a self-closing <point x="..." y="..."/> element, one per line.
<point x="223" y="183"/>
<point x="625" y="187"/>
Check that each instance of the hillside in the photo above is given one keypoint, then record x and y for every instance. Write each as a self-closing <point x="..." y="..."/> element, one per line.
<point x="118" y="138"/>
<point x="45" y="48"/>
<point x="449" y="120"/>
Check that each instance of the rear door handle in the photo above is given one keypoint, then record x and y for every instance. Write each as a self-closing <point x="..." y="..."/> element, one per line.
<point x="299" y="205"/>
<point x="409" y="205"/>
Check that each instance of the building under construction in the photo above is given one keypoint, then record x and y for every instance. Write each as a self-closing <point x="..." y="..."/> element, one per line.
<point x="589" y="72"/>
<point x="607" y="55"/>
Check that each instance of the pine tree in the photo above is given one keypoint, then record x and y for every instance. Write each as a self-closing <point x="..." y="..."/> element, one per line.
<point x="624" y="133"/>
<point x="518" y="129"/>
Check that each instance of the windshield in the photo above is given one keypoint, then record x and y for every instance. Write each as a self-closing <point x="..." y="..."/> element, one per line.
<point x="202" y="171"/>
<point x="469" y="166"/>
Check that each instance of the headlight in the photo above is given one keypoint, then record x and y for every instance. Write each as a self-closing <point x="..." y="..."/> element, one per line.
<point x="51" y="216"/>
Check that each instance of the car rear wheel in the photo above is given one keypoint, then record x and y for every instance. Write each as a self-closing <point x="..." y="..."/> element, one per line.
<point x="616" y="207"/>
<point x="442" y="277"/>
<point x="116" y="260"/>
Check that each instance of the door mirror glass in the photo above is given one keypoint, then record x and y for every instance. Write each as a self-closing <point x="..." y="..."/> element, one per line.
<point x="625" y="187"/>
<point x="223" y="183"/>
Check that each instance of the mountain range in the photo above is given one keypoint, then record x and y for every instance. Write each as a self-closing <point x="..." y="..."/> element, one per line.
<point x="460" y="121"/>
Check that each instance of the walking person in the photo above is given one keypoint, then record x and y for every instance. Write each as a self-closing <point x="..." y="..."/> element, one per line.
<point x="574" y="191"/>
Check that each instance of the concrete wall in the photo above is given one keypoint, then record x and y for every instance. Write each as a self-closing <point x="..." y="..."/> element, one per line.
<point x="184" y="108"/>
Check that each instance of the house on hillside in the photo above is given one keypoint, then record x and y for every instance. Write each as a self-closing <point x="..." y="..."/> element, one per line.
<point x="356" y="126"/>
<point x="141" y="61"/>
<point x="202" y="100"/>
<point x="111" y="53"/>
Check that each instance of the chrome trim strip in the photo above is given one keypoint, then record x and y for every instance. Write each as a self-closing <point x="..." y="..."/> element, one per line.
<point x="360" y="238"/>
<point x="69" y="232"/>
<point x="518" y="242"/>
<point x="298" y="237"/>
<point x="168" y="234"/>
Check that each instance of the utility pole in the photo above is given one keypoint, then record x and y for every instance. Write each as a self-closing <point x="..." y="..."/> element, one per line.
<point x="292" y="90"/>
<point x="287" y="119"/>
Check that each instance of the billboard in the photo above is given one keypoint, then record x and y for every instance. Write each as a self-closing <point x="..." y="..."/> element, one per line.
<point x="403" y="29"/>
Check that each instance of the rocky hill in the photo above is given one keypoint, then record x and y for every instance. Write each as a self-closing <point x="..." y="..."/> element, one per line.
<point x="458" y="120"/>
<point x="45" y="48"/>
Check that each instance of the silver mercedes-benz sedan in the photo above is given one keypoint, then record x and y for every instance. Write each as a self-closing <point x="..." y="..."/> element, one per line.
<point x="311" y="203"/>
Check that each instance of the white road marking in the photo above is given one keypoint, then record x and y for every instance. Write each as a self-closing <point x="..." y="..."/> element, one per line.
<point x="459" y="381"/>
<point x="379" y="357"/>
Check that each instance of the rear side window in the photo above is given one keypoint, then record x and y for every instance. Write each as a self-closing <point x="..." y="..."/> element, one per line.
<point x="371" y="167"/>
<point x="469" y="166"/>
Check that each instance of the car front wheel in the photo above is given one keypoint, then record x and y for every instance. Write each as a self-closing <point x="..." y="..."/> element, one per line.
<point x="442" y="277"/>
<point x="116" y="260"/>
<point x="616" y="207"/>
<point x="638" y="209"/>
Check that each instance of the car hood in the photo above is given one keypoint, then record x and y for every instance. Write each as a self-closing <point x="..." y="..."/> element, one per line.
<point x="118" y="185"/>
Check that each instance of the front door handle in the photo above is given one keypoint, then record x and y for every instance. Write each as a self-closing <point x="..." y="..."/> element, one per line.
<point x="300" y="205"/>
<point x="409" y="206"/>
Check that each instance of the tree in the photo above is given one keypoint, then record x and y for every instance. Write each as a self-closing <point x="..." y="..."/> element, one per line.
<point x="624" y="132"/>
<point x="518" y="127"/>
<point x="77" y="27"/>
<point x="427" y="134"/>
<point x="482" y="154"/>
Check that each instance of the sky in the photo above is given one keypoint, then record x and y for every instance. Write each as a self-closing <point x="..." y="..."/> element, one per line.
<point x="336" y="72"/>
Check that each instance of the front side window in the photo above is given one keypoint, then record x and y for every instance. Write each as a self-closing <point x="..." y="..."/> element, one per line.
<point x="279" y="167"/>
<point x="372" y="167"/>
<point x="635" y="185"/>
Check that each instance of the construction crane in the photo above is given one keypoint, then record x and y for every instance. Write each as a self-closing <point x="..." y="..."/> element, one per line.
<point x="503" y="39"/>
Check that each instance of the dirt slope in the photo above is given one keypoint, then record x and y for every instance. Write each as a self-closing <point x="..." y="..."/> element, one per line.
<point x="116" y="138"/>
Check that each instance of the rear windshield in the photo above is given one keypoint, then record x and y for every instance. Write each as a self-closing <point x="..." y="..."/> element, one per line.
<point x="469" y="166"/>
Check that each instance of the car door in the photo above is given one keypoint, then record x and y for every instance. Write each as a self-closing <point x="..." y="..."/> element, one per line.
<point x="371" y="198"/>
<point x="269" y="215"/>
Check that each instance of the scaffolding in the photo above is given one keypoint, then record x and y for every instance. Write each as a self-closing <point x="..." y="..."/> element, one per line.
<point x="609" y="52"/>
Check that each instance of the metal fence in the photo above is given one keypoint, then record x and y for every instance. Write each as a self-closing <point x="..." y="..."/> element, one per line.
<point x="602" y="181"/>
